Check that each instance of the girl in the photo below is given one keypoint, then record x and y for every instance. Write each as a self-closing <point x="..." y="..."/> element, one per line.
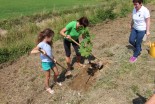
<point x="44" y="45"/>
<point x="140" y="26"/>
<point x="72" y="31"/>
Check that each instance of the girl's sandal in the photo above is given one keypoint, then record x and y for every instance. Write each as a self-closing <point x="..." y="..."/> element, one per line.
<point x="50" y="91"/>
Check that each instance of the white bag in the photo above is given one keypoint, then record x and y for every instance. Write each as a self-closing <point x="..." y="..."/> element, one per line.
<point x="145" y="38"/>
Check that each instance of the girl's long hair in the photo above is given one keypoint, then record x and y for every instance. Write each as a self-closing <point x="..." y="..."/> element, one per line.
<point x="45" y="33"/>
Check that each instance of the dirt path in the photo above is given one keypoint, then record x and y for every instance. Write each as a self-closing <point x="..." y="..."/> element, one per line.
<point x="117" y="83"/>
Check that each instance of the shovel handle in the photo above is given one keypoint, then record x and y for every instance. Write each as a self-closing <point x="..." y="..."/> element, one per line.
<point x="75" y="42"/>
<point x="45" y="54"/>
<point x="52" y="59"/>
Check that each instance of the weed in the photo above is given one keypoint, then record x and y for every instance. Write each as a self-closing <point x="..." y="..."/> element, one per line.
<point x="12" y="53"/>
<point x="135" y="89"/>
<point x="148" y="93"/>
<point x="109" y="53"/>
<point x="126" y="67"/>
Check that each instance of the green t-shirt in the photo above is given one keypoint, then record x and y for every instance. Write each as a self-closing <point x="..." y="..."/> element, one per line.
<point x="72" y="30"/>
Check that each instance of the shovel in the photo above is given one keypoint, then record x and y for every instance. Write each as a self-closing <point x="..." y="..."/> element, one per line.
<point x="53" y="60"/>
<point x="98" y="65"/>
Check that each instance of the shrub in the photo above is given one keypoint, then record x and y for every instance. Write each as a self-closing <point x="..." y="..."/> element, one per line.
<point x="9" y="54"/>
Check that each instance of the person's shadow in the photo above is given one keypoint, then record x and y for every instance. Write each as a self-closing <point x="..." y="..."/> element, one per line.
<point x="130" y="47"/>
<point x="62" y="76"/>
<point x="139" y="100"/>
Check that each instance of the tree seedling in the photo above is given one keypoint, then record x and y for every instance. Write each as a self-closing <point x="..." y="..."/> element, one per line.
<point x="86" y="44"/>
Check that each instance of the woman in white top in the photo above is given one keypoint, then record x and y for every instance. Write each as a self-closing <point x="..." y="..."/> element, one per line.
<point x="140" y="26"/>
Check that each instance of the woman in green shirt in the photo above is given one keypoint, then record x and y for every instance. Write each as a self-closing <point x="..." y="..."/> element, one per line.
<point x="73" y="30"/>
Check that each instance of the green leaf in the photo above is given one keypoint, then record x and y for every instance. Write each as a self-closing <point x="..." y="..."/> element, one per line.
<point x="86" y="44"/>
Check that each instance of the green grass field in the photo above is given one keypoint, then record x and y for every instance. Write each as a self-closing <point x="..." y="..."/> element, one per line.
<point x="15" y="8"/>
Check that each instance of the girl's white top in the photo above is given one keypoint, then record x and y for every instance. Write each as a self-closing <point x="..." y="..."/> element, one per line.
<point x="47" y="48"/>
<point x="139" y="18"/>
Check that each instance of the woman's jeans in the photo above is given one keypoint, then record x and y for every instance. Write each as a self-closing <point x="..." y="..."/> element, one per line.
<point x="136" y="38"/>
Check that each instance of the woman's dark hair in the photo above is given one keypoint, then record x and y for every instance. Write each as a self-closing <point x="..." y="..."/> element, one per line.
<point x="45" y="33"/>
<point x="83" y="21"/>
<point x="138" y="1"/>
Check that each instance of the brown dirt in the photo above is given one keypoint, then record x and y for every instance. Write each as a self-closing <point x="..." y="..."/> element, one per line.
<point x="82" y="81"/>
<point x="23" y="81"/>
<point x="85" y="78"/>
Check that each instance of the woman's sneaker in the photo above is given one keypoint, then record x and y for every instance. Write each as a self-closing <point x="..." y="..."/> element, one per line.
<point x="68" y="73"/>
<point x="133" y="59"/>
<point x="59" y="84"/>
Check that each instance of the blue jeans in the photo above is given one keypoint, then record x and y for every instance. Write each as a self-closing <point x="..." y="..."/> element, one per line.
<point x="136" y="38"/>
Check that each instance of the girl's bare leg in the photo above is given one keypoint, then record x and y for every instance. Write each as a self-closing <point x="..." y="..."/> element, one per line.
<point x="68" y="61"/>
<point x="56" y="73"/>
<point x="47" y="75"/>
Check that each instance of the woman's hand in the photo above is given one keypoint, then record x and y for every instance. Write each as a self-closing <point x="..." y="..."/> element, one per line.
<point x="131" y="29"/>
<point x="62" y="32"/>
<point x="55" y="61"/>
<point x="68" y="37"/>
<point x="148" y="33"/>
<point x="131" y="25"/>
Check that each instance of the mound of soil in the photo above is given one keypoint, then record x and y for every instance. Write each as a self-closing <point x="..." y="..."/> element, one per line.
<point x="85" y="78"/>
<point x="82" y="81"/>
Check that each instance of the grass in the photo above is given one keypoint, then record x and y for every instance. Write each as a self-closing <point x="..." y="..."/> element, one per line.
<point x="15" y="8"/>
<point x="126" y="67"/>
<point x="22" y="31"/>
<point x="135" y="89"/>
